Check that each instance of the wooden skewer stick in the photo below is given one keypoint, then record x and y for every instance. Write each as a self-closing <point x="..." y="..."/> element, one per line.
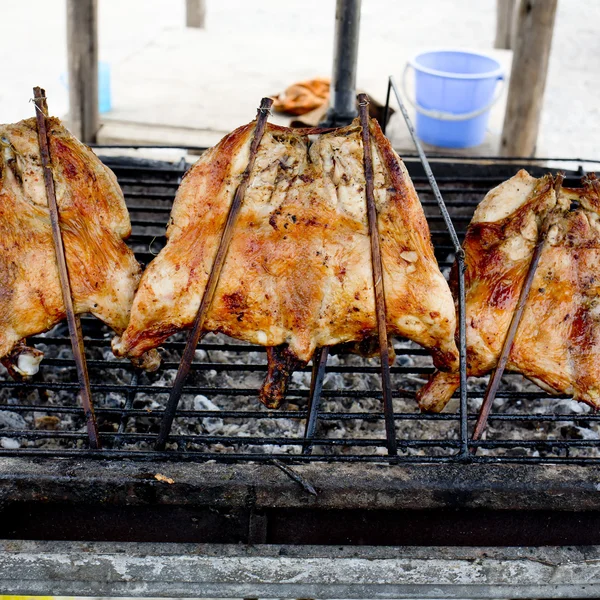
<point x="388" y="408"/>
<point x="496" y="377"/>
<point x="213" y="280"/>
<point x="41" y="113"/>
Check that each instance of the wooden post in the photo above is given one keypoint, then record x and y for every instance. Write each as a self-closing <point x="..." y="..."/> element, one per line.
<point x="82" y="48"/>
<point x="535" y="24"/>
<point x="195" y="13"/>
<point x="505" y="22"/>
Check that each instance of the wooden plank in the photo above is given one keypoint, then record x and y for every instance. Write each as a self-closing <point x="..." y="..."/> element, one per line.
<point x="505" y="23"/>
<point x="82" y="49"/>
<point x="195" y="13"/>
<point x="535" y="24"/>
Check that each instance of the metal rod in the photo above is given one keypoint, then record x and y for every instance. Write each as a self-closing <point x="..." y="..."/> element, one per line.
<point x="462" y="352"/>
<point x="496" y="377"/>
<point x="343" y="79"/>
<point x="314" y="398"/>
<point x="74" y="323"/>
<point x="380" y="310"/>
<point x="460" y="260"/>
<point x="427" y="168"/>
<point x="213" y="279"/>
<point x="387" y="107"/>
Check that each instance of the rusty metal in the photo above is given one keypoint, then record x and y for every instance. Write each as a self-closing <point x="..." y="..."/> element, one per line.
<point x="213" y="279"/>
<point x="41" y="113"/>
<point x="376" y="261"/>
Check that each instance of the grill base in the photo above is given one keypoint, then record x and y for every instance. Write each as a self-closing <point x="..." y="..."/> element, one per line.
<point x="504" y="505"/>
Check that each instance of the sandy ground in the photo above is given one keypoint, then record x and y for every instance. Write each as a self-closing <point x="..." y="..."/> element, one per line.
<point x="250" y="46"/>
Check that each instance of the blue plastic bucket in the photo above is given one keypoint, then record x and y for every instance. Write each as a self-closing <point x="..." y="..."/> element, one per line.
<point x="104" y="95"/>
<point x="455" y="91"/>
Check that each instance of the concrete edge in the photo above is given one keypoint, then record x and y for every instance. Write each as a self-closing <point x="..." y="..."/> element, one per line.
<point x="188" y="570"/>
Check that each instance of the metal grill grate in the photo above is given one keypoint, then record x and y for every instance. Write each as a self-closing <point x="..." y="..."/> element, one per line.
<point x="220" y="417"/>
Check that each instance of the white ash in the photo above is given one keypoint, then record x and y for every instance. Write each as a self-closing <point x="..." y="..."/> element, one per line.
<point x="11" y="420"/>
<point x="9" y="443"/>
<point x="210" y="424"/>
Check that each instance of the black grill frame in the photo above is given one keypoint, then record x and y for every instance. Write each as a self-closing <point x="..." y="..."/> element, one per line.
<point x="149" y="189"/>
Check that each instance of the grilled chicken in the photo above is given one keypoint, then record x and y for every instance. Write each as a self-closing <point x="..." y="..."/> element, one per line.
<point x="298" y="271"/>
<point x="103" y="271"/>
<point x="557" y="344"/>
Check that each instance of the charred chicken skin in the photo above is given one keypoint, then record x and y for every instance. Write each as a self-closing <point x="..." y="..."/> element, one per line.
<point x="103" y="272"/>
<point x="298" y="271"/>
<point x="557" y="344"/>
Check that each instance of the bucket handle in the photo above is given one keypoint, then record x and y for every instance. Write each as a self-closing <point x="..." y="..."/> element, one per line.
<point x="446" y="116"/>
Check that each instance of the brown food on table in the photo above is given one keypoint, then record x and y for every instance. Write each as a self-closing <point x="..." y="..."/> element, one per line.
<point x="298" y="271"/>
<point x="557" y="344"/>
<point x="94" y="221"/>
<point x="303" y="97"/>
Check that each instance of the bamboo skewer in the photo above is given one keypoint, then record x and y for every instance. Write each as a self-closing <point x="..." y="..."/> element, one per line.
<point x="213" y="280"/>
<point x="73" y="320"/>
<point x="380" y="309"/>
<point x="496" y="377"/>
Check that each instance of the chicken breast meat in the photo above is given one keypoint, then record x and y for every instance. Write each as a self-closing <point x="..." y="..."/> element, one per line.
<point x="298" y="272"/>
<point x="94" y="221"/>
<point x="557" y="344"/>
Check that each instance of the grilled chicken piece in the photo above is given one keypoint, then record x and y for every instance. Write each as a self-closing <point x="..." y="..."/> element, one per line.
<point x="298" y="272"/>
<point x="557" y="344"/>
<point x="103" y="271"/>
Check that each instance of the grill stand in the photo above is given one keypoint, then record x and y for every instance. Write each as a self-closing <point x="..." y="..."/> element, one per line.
<point x="369" y="507"/>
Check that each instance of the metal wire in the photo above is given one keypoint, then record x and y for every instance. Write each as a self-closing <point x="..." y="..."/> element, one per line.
<point x="130" y="405"/>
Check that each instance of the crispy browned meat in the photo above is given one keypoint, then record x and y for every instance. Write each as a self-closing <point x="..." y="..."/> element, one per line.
<point x="103" y="271"/>
<point x="298" y="272"/>
<point x="557" y="344"/>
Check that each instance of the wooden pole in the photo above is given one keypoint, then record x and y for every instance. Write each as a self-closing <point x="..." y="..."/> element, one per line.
<point x="535" y="24"/>
<point x="505" y="12"/>
<point x="82" y="49"/>
<point x="195" y="13"/>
